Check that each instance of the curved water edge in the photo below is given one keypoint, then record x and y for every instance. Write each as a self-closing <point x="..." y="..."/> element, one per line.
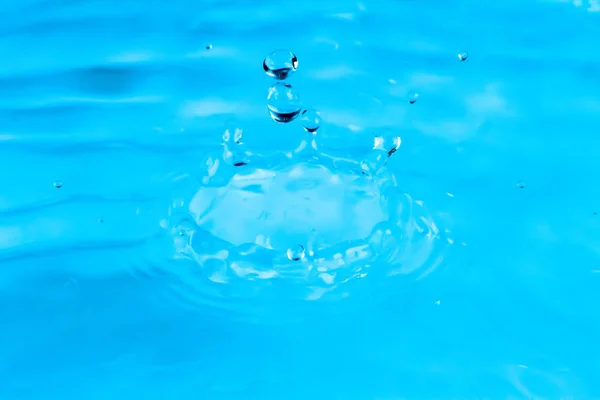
<point x="252" y="232"/>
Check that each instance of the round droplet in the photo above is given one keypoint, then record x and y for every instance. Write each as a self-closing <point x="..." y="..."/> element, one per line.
<point x="58" y="184"/>
<point x="233" y="133"/>
<point x="388" y="140"/>
<point x="311" y="120"/>
<point x="296" y="253"/>
<point x="280" y="64"/>
<point x="463" y="56"/>
<point x="283" y="103"/>
<point x="208" y="47"/>
<point x="521" y="185"/>
<point x="412" y="98"/>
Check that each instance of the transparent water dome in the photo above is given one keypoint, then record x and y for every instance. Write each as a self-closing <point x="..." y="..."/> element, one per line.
<point x="296" y="227"/>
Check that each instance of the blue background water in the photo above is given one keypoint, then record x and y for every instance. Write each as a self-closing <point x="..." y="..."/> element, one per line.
<point x="115" y="99"/>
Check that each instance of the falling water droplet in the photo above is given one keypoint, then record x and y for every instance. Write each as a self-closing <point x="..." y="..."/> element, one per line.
<point x="412" y="98"/>
<point x="388" y="140"/>
<point x="280" y="64"/>
<point x="233" y="149"/>
<point x="296" y="253"/>
<point x="463" y="56"/>
<point x="209" y="47"/>
<point x="283" y="103"/>
<point x="58" y="184"/>
<point x="521" y="185"/>
<point x="311" y="120"/>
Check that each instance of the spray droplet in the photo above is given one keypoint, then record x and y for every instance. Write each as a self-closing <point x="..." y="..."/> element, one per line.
<point x="296" y="253"/>
<point x="280" y="64"/>
<point x="283" y="103"/>
<point x="58" y="184"/>
<point x="463" y="56"/>
<point x="209" y="47"/>
<point x="521" y="185"/>
<point x="412" y="98"/>
<point x="311" y="120"/>
<point x="388" y="140"/>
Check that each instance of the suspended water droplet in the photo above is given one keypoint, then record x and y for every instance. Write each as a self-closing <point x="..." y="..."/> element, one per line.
<point x="233" y="149"/>
<point x="388" y="140"/>
<point x="296" y="253"/>
<point x="58" y="184"/>
<point x="311" y="120"/>
<point x="283" y="103"/>
<point x="412" y="98"/>
<point x="209" y="47"/>
<point x="521" y="185"/>
<point x="280" y="64"/>
<point x="232" y="133"/>
<point x="463" y="56"/>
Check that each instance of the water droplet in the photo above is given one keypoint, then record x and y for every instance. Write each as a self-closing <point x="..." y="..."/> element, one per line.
<point x="233" y="133"/>
<point x="521" y="185"/>
<point x="388" y="140"/>
<point x="296" y="253"/>
<point x="209" y="47"/>
<point x="412" y="98"/>
<point x="463" y="56"/>
<point x="311" y="120"/>
<point x="374" y="161"/>
<point x="58" y="184"/>
<point x="280" y="64"/>
<point x="233" y="149"/>
<point x="283" y="103"/>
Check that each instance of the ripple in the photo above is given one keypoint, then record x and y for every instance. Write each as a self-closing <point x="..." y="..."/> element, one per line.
<point x="291" y="230"/>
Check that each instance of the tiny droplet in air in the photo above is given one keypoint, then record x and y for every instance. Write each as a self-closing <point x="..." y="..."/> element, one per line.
<point x="296" y="253"/>
<point x="58" y="184"/>
<point x="388" y="140"/>
<point x="413" y="97"/>
<point x="463" y="56"/>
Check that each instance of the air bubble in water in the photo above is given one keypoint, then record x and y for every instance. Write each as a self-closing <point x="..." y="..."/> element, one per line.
<point x="280" y="64"/>
<point x="283" y="102"/>
<point x="463" y="56"/>
<point x="412" y="98"/>
<point x="296" y="253"/>
<point x="58" y="184"/>
<point x="387" y="140"/>
<point x="311" y="120"/>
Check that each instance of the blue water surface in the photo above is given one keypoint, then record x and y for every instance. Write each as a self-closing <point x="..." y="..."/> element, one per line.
<point x="130" y="269"/>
